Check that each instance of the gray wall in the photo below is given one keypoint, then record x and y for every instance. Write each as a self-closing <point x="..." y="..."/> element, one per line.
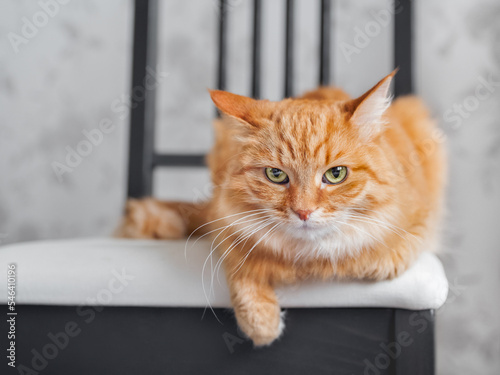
<point x="74" y="74"/>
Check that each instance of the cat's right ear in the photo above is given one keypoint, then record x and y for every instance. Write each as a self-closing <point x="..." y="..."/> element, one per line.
<point x="239" y="107"/>
<point x="367" y="111"/>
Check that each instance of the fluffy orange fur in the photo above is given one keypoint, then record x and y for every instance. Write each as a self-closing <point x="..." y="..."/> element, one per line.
<point x="372" y="225"/>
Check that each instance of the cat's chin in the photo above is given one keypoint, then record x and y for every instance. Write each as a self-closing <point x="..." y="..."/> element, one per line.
<point x="309" y="231"/>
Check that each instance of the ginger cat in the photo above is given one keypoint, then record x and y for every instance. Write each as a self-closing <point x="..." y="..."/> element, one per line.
<point x="320" y="186"/>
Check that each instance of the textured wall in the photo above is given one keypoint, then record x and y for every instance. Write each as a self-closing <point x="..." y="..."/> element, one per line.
<point x="60" y="82"/>
<point x="71" y="74"/>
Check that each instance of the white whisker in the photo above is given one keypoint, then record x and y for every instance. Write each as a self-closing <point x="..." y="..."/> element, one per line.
<point x="238" y="221"/>
<point x="365" y="232"/>
<point x="253" y="247"/>
<point x="243" y="237"/>
<point x="395" y="229"/>
<point x="213" y="221"/>
<point x="213" y="249"/>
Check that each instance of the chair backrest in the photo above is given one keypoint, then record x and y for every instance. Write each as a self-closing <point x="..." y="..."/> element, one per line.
<point x="142" y="156"/>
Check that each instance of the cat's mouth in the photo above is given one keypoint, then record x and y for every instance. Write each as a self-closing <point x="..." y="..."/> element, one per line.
<point x="306" y="225"/>
<point x="309" y="227"/>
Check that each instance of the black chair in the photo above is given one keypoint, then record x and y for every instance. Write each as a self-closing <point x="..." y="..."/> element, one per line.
<point x="345" y="336"/>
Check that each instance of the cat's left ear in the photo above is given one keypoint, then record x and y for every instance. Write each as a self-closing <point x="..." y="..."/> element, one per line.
<point x="238" y="107"/>
<point x="367" y="111"/>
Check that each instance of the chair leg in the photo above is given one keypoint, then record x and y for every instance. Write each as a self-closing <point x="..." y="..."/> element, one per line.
<point x="413" y="348"/>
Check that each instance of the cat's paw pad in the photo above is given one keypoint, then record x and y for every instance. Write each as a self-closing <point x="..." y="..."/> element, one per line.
<point x="148" y="218"/>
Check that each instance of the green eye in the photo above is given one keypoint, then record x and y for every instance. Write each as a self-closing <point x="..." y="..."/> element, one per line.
<point x="335" y="175"/>
<point x="276" y="175"/>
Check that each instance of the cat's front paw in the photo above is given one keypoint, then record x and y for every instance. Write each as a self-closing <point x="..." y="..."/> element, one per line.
<point x="149" y="218"/>
<point x="386" y="269"/>
<point x="263" y="324"/>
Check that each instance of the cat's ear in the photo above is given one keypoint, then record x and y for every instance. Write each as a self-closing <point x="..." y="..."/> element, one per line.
<point x="236" y="106"/>
<point x="367" y="111"/>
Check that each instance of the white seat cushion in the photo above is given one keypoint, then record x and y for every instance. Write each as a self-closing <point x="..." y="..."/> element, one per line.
<point x="156" y="273"/>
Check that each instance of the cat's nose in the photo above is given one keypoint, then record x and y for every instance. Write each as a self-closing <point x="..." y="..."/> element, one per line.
<point x="303" y="214"/>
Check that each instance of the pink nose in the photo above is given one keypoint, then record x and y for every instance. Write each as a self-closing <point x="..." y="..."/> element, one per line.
<point x="303" y="214"/>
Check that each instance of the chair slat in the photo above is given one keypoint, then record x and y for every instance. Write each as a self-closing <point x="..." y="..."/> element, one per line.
<point x="324" y="54"/>
<point x="403" y="46"/>
<point x="289" y="48"/>
<point x="142" y="116"/>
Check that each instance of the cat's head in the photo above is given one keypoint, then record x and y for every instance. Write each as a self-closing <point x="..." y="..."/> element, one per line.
<point x="311" y="163"/>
